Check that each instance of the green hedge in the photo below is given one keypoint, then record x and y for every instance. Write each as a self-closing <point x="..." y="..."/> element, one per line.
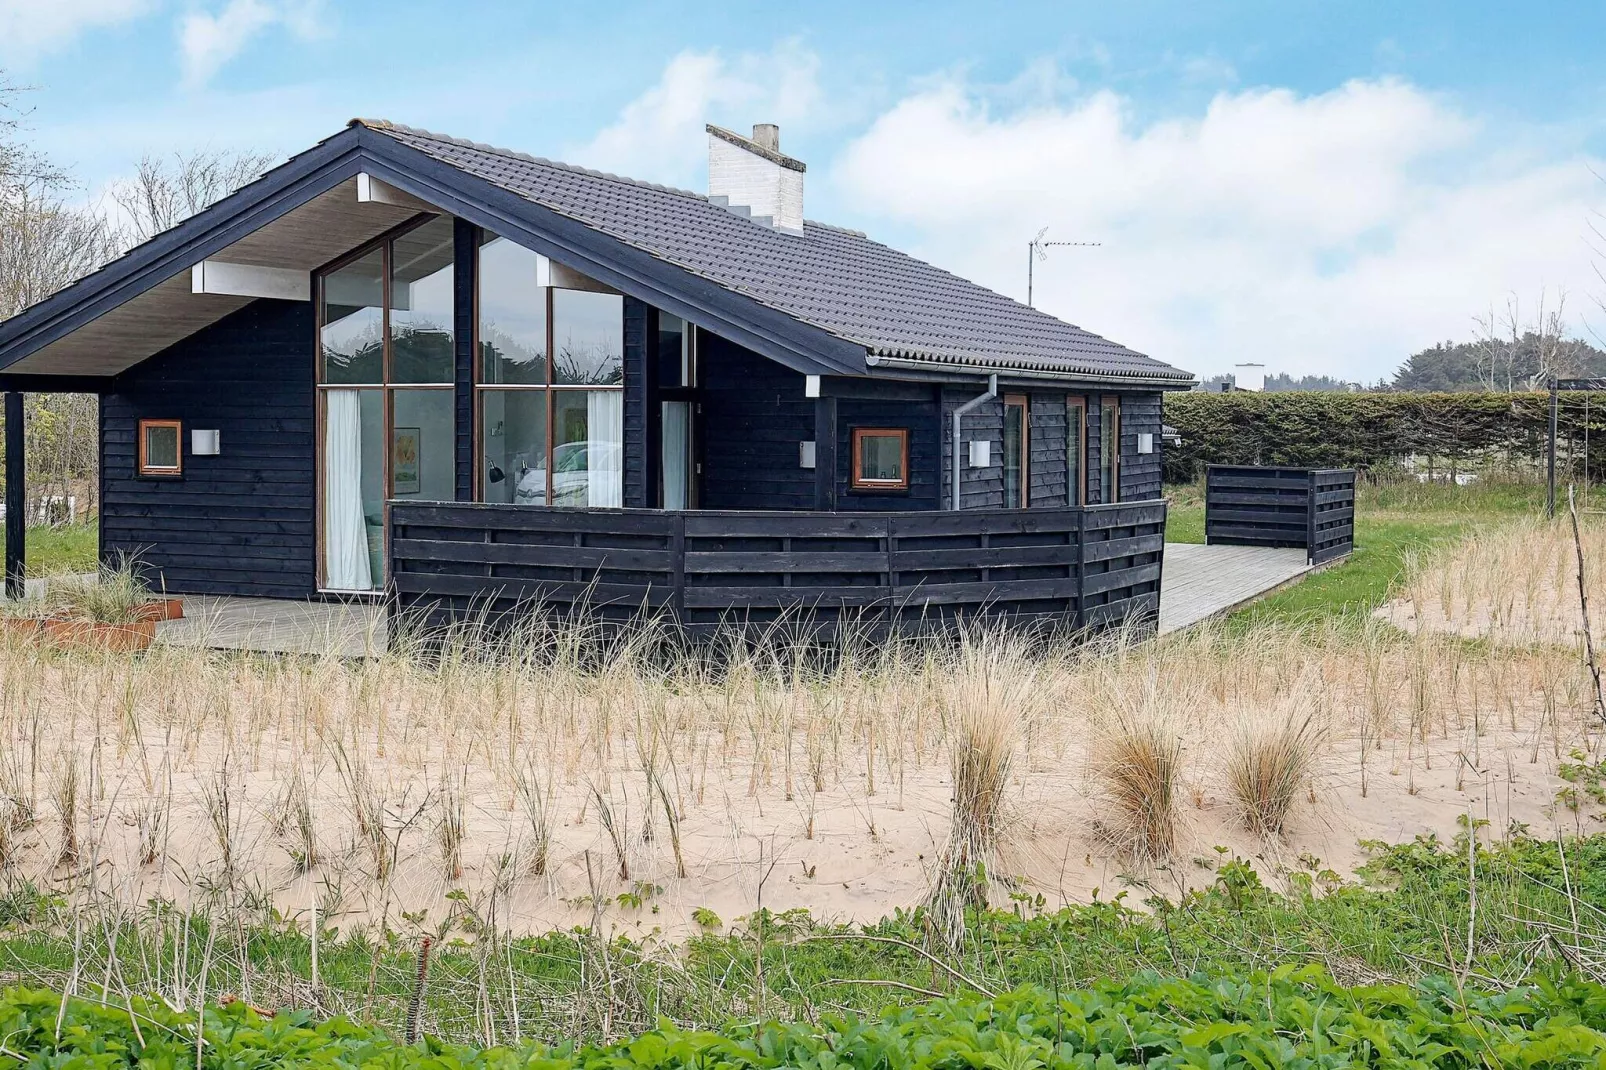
<point x="1377" y="431"/>
<point x="1295" y="1017"/>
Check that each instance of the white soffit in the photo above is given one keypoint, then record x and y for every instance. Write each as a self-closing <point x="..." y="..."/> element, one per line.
<point x="325" y="228"/>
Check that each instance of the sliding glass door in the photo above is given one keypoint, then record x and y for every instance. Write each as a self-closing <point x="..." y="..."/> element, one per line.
<point x="385" y="396"/>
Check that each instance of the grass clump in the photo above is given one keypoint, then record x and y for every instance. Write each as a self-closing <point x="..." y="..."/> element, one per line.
<point x="1269" y="764"/>
<point x="1138" y="759"/>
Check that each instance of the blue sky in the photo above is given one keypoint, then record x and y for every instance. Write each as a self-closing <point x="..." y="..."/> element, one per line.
<point x="1322" y="187"/>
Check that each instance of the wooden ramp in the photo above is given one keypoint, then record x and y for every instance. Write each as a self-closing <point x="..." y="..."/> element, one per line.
<point x="1199" y="582"/>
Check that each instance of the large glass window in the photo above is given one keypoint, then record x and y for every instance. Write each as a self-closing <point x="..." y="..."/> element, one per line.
<point x="552" y="431"/>
<point x="1075" y="451"/>
<point x="385" y="374"/>
<point x="513" y="336"/>
<point x="351" y="331"/>
<point x="1110" y="449"/>
<point x="421" y="305"/>
<point x="677" y="352"/>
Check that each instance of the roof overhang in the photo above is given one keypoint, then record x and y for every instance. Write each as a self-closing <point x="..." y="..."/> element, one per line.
<point x="307" y="212"/>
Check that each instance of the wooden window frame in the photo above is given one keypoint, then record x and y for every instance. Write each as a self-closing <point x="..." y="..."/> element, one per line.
<point x="149" y="471"/>
<point x="1024" y="403"/>
<point x="1077" y="495"/>
<point x="857" y="482"/>
<point x="550" y="387"/>
<point x="1111" y="494"/>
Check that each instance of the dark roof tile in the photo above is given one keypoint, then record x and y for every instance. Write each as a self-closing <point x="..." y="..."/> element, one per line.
<point x="836" y="279"/>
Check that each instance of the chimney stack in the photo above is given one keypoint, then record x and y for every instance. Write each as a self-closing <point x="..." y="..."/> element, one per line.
<point x="751" y="177"/>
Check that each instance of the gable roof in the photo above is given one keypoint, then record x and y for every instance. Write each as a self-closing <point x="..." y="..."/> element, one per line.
<point x="839" y="280"/>
<point x="829" y="301"/>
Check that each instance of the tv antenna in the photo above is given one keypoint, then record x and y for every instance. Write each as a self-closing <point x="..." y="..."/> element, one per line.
<point x="1037" y="249"/>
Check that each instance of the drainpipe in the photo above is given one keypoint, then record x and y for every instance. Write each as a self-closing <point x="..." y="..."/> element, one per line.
<point x="959" y="452"/>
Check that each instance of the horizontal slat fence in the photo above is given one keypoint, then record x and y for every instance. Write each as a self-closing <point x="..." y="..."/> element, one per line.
<point x="1312" y="509"/>
<point x="1083" y="567"/>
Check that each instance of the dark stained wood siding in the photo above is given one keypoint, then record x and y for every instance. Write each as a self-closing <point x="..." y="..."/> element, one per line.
<point x="754" y="416"/>
<point x="925" y="466"/>
<point x="240" y="523"/>
<point x="635" y="405"/>
<point x="1140" y="473"/>
<point x="1047" y="443"/>
<point x="979" y="488"/>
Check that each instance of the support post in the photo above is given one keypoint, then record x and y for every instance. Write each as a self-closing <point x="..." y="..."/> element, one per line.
<point x="1550" y="454"/>
<point x="825" y="454"/>
<point x="16" y="498"/>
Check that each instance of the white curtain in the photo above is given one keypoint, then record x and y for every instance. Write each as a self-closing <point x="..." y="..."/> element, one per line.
<point x="605" y="428"/>
<point x="676" y="453"/>
<point x="345" y="530"/>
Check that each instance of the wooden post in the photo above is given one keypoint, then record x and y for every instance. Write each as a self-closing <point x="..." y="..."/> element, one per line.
<point x="825" y="454"/>
<point x="16" y="498"/>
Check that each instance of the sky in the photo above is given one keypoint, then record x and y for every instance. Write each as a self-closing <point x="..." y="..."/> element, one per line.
<point x="1323" y="188"/>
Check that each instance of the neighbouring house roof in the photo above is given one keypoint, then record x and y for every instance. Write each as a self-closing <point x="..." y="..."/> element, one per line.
<point x="892" y="304"/>
<point x="829" y="301"/>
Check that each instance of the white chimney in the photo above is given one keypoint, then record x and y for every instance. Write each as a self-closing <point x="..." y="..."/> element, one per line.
<point x="751" y="176"/>
<point x="1249" y="377"/>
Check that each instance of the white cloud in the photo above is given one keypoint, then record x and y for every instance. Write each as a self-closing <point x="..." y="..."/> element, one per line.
<point x="31" y="27"/>
<point x="1331" y="233"/>
<point x="208" y="41"/>
<point x="659" y="134"/>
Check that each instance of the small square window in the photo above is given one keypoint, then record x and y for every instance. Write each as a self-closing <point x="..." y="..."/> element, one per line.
<point x="880" y="458"/>
<point x="159" y="448"/>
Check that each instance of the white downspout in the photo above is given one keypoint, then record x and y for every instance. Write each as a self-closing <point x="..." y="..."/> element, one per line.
<point x="959" y="452"/>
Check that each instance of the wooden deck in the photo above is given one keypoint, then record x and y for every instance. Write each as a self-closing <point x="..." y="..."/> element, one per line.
<point x="277" y="626"/>
<point x="1199" y="582"/>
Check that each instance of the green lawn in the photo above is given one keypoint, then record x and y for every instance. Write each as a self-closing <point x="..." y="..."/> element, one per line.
<point x="1391" y="521"/>
<point x="68" y="548"/>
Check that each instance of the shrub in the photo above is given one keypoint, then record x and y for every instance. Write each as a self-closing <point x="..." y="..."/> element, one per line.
<point x="1290" y="1017"/>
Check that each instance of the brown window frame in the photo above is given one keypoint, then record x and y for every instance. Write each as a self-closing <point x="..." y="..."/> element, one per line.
<point x="857" y="482"/>
<point x="1077" y="495"/>
<point x="148" y="470"/>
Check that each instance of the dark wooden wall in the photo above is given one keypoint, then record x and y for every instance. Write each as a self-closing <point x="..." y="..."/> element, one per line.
<point x="920" y="416"/>
<point x="239" y="523"/>
<point x="637" y="483"/>
<point x="1140" y="473"/>
<point x="754" y="415"/>
<point x="1308" y="508"/>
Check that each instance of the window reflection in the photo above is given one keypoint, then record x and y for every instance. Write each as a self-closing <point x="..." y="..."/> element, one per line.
<point x="421" y="305"/>
<point x="512" y="315"/>
<point x="352" y="337"/>
<point x="587" y="338"/>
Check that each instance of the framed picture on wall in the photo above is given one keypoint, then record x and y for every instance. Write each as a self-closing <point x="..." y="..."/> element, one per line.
<point x="405" y="446"/>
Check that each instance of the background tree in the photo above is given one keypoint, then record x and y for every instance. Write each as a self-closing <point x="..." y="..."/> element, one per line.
<point x="169" y="189"/>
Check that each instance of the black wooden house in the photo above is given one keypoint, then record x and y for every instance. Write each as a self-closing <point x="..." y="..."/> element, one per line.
<point x="403" y="362"/>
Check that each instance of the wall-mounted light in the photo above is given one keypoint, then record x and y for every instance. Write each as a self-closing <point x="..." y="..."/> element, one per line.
<point x="1146" y="442"/>
<point x="805" y="453"/>
<point x="205" y="443"/>
<point x="981" y="453"/>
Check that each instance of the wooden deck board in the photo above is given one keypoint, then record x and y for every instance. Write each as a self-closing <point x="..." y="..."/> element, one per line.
<point x="1200" y="582"/>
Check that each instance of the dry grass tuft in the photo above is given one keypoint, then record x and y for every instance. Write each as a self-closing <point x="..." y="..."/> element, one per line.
<point x="1269" y="763"/>
<point x="1137" y="758"/>
<point x="989" y="704"/>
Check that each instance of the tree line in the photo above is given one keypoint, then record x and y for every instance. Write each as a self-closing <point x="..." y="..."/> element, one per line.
<point x="50" y="236"/>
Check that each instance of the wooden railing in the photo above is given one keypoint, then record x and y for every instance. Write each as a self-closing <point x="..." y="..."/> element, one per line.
<point x="1074" y="568"/>
<point x="1309" y="508"/>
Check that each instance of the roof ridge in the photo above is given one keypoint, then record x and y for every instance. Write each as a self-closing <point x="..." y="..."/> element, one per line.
<point x="385" y="125"/>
